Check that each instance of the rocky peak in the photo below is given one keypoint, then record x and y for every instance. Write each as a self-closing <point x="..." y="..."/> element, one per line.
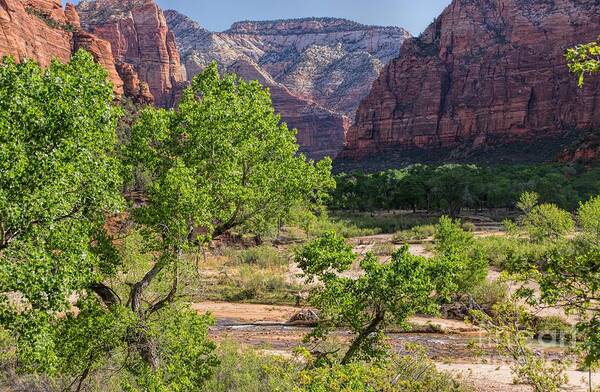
<point x="303" y="26"/>
<point x="140" y="37"/>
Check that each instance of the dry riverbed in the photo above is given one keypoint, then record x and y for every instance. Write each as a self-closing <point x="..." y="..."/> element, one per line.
<point x="450" y="343"/>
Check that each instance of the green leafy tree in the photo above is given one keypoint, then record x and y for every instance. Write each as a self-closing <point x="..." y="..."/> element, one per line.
<point x="220" y="161"/>
<point x="568" y="277"/>
<point x="527" y="202"/>
<point x="584" y="59"/>
<point x="384" y="293"/>
<point x="510" y="328"/>
<point x="244" y="162"/>
<point x="58" y="179"/>
<point x="457" y="246"/>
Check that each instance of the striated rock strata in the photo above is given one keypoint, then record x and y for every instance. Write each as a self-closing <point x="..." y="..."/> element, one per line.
<point x="318" y="69"/>
<point x="142" y="45"/>
<point x="321" y="132"/>
<point x="486" y="73"/>
<point x="42" y="30"/>
<point x="330" y="61"/>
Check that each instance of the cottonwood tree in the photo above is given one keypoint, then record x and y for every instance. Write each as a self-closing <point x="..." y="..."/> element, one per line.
<point x="222" y="160"/>
<point x="58" y="179"/>
<point x="384" y="293"/>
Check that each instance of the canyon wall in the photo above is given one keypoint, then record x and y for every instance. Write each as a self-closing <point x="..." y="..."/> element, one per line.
<point x="485" y="74"/>
<point x="42" y="30"/>
<point x="142" y="45"/>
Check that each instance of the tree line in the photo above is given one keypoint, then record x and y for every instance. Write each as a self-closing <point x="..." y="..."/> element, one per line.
<point x="453" y="187"/>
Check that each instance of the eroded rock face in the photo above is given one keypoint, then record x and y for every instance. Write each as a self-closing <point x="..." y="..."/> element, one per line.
<point x="318" y="69"/>
<point x="485" y="73"/>
<point x="42" y="30"/>
<point x="330" y="61"/>
<point x="321" y="132"/>
<point x="140" y="37"/>
<point x="25" y="34"/>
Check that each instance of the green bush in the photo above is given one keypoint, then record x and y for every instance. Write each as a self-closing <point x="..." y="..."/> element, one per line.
<point x="588" y="216"/>
<point x="246" y="370"/>
<point x="410" y="373"/>
<point x="507" y="253"/>
<point x="547" y="221"/>
<point x="249" y="283"/>
<point x="262" y="256"/>
<point x="469" y="227"/>
<point x="383" y="249"/>
<point x="489" y="293"/>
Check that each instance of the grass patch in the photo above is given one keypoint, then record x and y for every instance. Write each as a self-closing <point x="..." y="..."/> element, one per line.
<point x="384" y="223"/>
<point x="383" y="249"/>
<point x="504" y="252"/>
<point x="417" y="233"/>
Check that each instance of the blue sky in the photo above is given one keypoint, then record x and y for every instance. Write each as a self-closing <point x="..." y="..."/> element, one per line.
<point x="218" y="15"/>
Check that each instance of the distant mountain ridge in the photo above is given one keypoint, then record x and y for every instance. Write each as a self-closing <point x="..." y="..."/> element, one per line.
<point x="318" y="69"/>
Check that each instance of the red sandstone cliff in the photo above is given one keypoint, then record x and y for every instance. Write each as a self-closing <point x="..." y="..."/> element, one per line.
<point x="485" y="73"/>
<point x="42" y="30"/>
<point x="142" y="45"/>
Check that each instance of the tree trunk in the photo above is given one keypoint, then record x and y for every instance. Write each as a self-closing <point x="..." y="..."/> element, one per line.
<point x="364" y="334"/>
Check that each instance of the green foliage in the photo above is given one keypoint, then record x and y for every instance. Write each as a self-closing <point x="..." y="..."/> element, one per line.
<point x="187" y="355"/>
<point x="458" y="246"/>
<point x="385" y="292"/>
<point x="237" y="161"/>
<point x="547" y="221"/>
<point x="410" y="373"/>
<point x="253" y="283"/>
<point x="58" y="179"/>
<point x="584" y="59"/>
<point x="451" y="188"/>
<point x="527" y="202"/>
<point x="417" y="233"/>
<point x="588" y="216"/>
<point x="262" y="256"/>
<point x="246" y="370"/>
<point x="510" y="327"/>
<point x="566" y="270"/>
<point x="511" y="252"/>
<point x="325" y="256"/>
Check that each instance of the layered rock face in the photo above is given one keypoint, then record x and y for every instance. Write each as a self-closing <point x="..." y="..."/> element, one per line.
<point x="321" y="132"/>
<point x="318" y="70"/>
<point x="42" y="30"/>
<point x="143" y="47"/>
<point x="330" y="61"/>
<point x="486" y="73"/>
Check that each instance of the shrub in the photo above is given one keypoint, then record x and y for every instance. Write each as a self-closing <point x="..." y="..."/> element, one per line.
<point x="251" y="283"/>
<point x="508" y="253"/>
<point x="411" y="373"/>
<point x="547" y="221"/>
<point x="469" y="227"/>
<point x="262" y="256"/>
<point x="455" y="244"/>
<point x="383" y="249"/>
<point x="489" y="293"/>
<point x="588" y="216"/>
<point x="246" y="370"/>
